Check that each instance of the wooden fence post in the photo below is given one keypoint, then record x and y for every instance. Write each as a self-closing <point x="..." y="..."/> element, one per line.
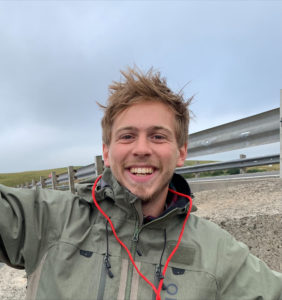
<point x="33" y="183"/>
<point x="42" y="181"/>
<point x="54" y="180"/>
<point x="99" y="165"/>
<point x="71" y="179"/>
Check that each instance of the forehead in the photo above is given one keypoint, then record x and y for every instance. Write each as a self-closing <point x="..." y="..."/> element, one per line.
<point x="145" y="115"/>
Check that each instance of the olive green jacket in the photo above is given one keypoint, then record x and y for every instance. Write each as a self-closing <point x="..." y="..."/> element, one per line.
<point x="62" y="241"/>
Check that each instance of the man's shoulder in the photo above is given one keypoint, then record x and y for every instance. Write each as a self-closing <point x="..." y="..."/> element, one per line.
<point x="207" y="230"/>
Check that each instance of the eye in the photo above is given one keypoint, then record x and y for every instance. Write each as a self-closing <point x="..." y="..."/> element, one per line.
<point x="126" y="137"/>
<point x="158" y="138"/>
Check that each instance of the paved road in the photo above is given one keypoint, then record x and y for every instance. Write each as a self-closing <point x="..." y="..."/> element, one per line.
<point x="218" y="182"/>
<point x="246" y="176"/>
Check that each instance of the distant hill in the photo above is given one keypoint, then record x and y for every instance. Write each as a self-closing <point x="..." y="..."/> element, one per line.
<point x="13" y="179"/>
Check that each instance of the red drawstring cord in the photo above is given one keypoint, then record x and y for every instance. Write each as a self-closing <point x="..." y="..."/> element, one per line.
<point x="157" y="291"/>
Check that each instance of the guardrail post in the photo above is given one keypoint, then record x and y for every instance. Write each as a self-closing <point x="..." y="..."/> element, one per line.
<point x="27" y="185"/>
<point x="33" y="183"/>
<point x="42" y="182"/>
<point x="243" y="170"/>
<point x="99" y="165"/>
<point x="280" y="134"/>
<point x="54" y="180"/>
<point x="71" y="179"/>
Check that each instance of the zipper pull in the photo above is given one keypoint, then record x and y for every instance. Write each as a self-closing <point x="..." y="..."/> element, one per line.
<point x="160" y="276"/>
<point x="108" y="266"/>
<point x="135" y="236"/>
<point x="135" y="239"/>
<point x="138" y="252"/>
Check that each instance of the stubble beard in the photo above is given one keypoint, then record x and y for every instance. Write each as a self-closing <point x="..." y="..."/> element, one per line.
<point x="143" y="191"/>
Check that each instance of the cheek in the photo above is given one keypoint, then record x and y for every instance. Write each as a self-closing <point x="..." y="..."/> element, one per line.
<point x="117" y="154"/>
<point x="173" y="157"/>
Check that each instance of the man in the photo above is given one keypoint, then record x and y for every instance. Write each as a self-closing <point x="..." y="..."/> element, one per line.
<point x="132" y="237"/>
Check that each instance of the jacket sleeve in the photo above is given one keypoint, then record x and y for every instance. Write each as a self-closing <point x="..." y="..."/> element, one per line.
<point x="29" y="223"/>
<point x="244" y="276"/>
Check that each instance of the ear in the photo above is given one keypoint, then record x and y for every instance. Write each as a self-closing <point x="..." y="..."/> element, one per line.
<point x="106" y="155"/>
<point x="182" y="155"/>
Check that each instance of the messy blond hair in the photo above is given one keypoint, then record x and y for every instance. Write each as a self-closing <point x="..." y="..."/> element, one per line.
<point x="141" y="87"/>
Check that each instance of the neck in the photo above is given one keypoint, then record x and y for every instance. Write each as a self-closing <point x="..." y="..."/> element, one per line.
<point x="155" y="206"/>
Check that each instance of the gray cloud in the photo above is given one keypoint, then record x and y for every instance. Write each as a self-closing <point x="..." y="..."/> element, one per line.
<point x="58" y="57"/>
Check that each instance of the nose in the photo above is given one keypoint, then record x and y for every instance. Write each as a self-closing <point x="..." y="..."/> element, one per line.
<point x="142" y="147"/>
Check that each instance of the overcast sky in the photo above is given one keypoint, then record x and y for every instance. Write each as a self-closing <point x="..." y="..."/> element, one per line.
<point x="57" y="59"/>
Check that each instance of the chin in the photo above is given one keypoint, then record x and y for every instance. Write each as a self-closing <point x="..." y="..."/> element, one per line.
<point x="144" y="196"/>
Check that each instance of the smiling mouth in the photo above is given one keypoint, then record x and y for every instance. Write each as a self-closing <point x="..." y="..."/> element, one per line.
<point x="141" y="171"/>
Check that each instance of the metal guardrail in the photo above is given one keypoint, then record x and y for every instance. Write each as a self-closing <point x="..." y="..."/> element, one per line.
<point x="81" y="173"/>
<point x="239" y="163"/>
<point x="62" y="180"/>
<point x="66" y="180"/>
<point x="256" y="130"/>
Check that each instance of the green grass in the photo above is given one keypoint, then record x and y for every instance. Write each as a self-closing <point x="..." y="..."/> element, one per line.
<point x="275" y="167"/>
<point x="232" y="171"/>
<point x="197" y="162"/>
<point x="13" y="179"/>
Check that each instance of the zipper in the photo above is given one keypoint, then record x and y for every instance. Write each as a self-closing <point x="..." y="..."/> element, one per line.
<point x="156" y="282"/>
<point x="133" y="247"/>
<point x="102" y="283"/>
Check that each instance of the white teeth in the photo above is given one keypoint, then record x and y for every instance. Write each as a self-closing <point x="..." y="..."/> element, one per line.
<point x="141" y="171"/>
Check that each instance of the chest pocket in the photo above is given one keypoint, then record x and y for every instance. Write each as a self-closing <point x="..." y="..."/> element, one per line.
<point x="188" y="284"/>
<point x="184" y="281"/>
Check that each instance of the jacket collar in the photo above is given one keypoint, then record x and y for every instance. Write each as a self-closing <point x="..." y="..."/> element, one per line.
<point x="109" y="188"/>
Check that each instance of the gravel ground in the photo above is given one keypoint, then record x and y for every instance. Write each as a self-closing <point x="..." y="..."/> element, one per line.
<point x="251" y="212"/>
<point x="12" y="284"/>
<point x="248" y="199"/>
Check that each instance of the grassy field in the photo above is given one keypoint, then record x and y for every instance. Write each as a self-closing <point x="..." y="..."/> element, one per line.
<point x="197" y="162"/>
<point x="13" y="179"/>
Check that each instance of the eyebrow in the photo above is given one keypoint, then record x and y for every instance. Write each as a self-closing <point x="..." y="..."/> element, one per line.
<point x="152" y="128"/>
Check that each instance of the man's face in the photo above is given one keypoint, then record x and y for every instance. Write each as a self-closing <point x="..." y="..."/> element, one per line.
<point x="143" y="152"/>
